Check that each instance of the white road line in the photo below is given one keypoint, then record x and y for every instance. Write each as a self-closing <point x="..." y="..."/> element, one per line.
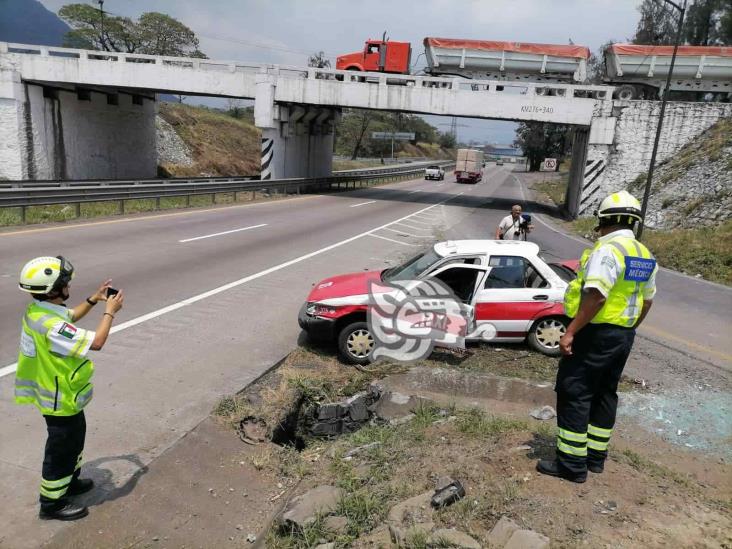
<point x="420" y="222"/>
<point x="404" y="233"/>
<point x="390" y="239"/>
<point x="413" y="227"/>
<point x="191" y="300"/>
<point x="362" y="204"/>
<point x="222" y="233"/>
<point x="417" y="191"/>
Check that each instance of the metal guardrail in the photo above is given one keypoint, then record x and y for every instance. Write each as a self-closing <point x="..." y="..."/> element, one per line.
<point x="80" y="192"/>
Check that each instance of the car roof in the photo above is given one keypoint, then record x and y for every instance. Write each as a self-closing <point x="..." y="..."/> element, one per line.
<point x="486" y="247"/>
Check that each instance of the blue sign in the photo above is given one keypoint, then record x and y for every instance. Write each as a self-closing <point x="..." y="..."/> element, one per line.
<point x="638" y="269"/>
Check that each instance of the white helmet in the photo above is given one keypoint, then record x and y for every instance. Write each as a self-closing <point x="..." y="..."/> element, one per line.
<point x="44" y="275"/>
<point x="619" y="205"/>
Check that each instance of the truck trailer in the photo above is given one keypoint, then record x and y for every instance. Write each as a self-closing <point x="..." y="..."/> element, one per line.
<point x="638" y="71"/>
<point x="469" y="166"/>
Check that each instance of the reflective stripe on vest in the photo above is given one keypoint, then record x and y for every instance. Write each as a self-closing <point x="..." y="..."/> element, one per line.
<point x="624" y="302"/>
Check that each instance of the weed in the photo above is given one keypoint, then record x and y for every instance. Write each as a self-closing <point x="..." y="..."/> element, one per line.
<point x="299" y="538"/>
<point x="418" y="540"/>
<point x="291" y="463"/>
<point x="425" y="415"/>
<point x="476" y="422"/>
<point x="668" y="201"/>
<point x="364" y="509"/>
<point x="233" y="408"/>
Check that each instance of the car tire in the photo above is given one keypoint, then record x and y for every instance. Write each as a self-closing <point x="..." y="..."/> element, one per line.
<point x="545" y="333"/>
<point x="355" y="344"/>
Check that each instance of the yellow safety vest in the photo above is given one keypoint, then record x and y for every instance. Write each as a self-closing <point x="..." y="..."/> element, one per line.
<point x="56" y="385"/>
<point x="624" y="301"/>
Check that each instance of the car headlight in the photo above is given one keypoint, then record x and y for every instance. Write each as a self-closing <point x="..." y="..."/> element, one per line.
<point x="318" y="309"/>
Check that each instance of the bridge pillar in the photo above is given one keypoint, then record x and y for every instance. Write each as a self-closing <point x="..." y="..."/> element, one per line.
<point x="297" y="140"/>
<point x="14" y="150"/>
<point x="58" y="133"/>
<point x="577" y="172"/>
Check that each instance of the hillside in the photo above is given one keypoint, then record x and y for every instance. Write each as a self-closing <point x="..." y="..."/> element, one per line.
<point x="206" y="142"/>
<point x="693" y="189"/>
<point x="196" y="141"/>
<point x="29" y="22"/>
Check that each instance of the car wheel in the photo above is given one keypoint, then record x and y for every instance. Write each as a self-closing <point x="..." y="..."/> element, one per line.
<point x="545" y="334"/>
<point x="355" y="343"/>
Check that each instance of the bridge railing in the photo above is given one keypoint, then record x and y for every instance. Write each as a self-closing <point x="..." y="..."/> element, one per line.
<point x="23" y="194"/>
<point x="526" y="87"/>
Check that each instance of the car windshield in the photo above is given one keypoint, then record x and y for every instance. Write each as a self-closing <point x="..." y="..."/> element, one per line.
<point x="433" y="167"/>
<point x="412" y="268"/>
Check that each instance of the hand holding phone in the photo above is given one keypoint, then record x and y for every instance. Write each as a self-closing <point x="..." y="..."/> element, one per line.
<point x="112" y="291"/>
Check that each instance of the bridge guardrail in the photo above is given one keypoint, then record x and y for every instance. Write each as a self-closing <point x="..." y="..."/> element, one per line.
<point x="80" y="192"/>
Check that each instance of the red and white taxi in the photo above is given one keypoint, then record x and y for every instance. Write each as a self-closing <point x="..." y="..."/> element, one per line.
<point x="504" y="283"/>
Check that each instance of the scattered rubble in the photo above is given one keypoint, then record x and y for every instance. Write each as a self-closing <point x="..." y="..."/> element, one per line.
<point x="544" y="413"/>
<point x="411" y="518"/>
<point x="303" y="509"/>
<point x="359" y="449"/>
<point x="345" y="416"/>
<point x="337" y="525"/>
<point x="252" y="430"/>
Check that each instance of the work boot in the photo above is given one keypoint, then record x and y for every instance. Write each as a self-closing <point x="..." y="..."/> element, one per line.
<point x="555" y="469"/>
<point x="596" y="467"/>
<point x="80" y="486"/>
<point x="66" y="511"/>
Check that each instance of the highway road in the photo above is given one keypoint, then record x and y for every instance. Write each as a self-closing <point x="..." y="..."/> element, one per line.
<point x="211" y="302"/>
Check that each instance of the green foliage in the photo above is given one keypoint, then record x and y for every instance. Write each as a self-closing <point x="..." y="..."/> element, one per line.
<point x="707" y="22"/>
<point x="540" y="140"/>
<point x="319" y="60"/>
<point x="353" y="132"/>
<point x="476" y="422"/>
<point x="153" y="33"/>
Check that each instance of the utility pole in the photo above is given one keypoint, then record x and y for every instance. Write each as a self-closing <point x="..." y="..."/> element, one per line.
<point x="664" y="99"/>
<point x="101" y="23"/>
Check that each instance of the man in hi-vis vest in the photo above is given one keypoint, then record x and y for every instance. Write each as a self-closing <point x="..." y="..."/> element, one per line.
<point x="608" y="300"/>
<point x="54" y="374"/>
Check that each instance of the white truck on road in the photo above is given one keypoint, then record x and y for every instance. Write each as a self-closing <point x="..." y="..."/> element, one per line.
<point x="434" y="172"/>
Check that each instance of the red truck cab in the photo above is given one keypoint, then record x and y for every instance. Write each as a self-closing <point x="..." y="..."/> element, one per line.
<point x="378" y="56"/>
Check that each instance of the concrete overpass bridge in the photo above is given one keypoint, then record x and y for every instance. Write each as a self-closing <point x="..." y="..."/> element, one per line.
<point x="69" y="113"/>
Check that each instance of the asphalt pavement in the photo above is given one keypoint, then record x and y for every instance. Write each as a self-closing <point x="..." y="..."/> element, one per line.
<point x="211" y="302"/>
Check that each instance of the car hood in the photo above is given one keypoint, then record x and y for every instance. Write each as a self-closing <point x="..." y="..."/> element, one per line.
<point x="351" y="284"/>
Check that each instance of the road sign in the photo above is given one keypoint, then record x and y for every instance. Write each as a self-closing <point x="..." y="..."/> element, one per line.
<point x="549" y="165"/>
<point x="396" y="136"/>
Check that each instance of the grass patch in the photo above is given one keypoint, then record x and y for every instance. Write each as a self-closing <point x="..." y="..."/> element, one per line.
<point x="706" y="251"/>
<point x="554" y="189"/>
<point x="477" y="423"/>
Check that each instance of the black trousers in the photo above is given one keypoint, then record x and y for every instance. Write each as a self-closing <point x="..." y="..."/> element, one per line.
<point x="62" y="459"/>
<point x="587" y="398"/>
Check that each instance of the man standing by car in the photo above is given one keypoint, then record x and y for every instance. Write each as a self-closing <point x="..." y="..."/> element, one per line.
<point x="513" y="226"/>
<point x="608" y="300"/>
<point x="54" y="375"/>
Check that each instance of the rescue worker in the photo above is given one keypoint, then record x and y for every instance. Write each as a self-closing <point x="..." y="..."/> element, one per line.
<point x="608" y="300"/>
<point x="54" y="374"/>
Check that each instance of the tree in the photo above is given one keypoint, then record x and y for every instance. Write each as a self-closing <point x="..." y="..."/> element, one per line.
<point x="447" y="140"/>
<point x="596" y="63"/>
<point x="657" y="23"/>
<point x="540" y="140"/>
<point x="318" y="60"/>
<point x="153" y="33"/>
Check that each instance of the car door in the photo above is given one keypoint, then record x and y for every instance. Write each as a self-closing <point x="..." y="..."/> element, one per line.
<point x="513" y="294"/>
<point x="464" y="280"/>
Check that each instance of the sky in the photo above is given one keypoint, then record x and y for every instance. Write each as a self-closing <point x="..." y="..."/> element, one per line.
<point x="287" y="31"/>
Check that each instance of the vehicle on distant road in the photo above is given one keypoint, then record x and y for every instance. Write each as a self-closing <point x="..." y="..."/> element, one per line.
<point x="499" y="162"/>
<point x="506" y="284"/>
<point x="434" y="172"/>
<point x="637" y="71"/>
<point x="469" y="166"/>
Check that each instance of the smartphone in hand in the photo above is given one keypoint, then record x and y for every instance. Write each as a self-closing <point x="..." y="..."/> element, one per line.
<point x="112" y="291"/>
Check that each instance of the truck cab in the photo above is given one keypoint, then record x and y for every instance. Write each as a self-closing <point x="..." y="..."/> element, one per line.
<point x="378" y="56"/>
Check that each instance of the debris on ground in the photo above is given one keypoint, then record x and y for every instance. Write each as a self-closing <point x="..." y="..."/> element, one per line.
<point x="545" y="413"/>
<point x="304" y="509"/>
<point x="448" y="492"/>
<point x="410" y="518"/>
<point x="336" y="525"/>
<point x="251" y="538"/>
<point x="345" y="416"/>
<point x="507" y="534"/>
<point x="360" y="449"/>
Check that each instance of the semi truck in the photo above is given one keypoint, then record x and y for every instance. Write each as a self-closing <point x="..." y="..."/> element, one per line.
<point x="637" y="71"/>
<point x="469" y="166"/>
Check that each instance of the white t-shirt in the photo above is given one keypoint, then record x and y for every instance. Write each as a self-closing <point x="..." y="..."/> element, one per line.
<point x="602" y="269"/>
<point x="508" y="226"/>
